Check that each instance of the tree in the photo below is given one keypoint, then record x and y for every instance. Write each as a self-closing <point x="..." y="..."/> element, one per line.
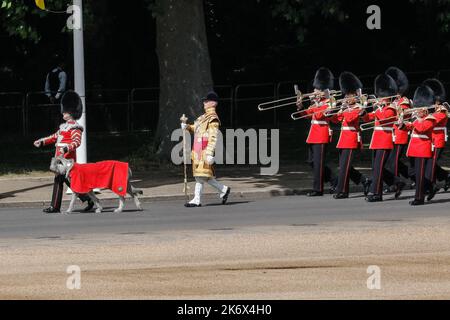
<point x="184" y="65"/>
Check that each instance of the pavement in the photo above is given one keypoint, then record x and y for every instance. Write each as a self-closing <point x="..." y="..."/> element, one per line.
<point x="32" y="190"/>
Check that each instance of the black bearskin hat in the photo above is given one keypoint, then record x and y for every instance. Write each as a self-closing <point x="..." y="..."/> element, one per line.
<point x="438" y="89"/>
<point x="323" y="79"/>
<point x="423" y="97"/>
<point x="385" y="86"/>
<point x="400" y="79"/>
<point x="71" y="103"/>
<point x="349" y="83"/>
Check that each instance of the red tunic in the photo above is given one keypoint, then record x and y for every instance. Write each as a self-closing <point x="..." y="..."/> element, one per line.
<point x="111" y="175"/>
<point x="420" y="144"/>
<point x="401" y="136"/>
<point x="382" y="134"/>
<point x="68" y="135"/>
<point x="440" y="130"/>
<point x="350" y="137"/>
<point x="320" y="131"/>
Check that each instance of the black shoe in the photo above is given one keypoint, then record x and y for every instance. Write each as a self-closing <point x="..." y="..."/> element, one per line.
<point x="447" y="184"/>
<point x="374" y="198"/>
<point x="314" y="194"/>
<point x="341" y="195"/>
<point x="225" y="197"/>
<point x="399" y="189"/>
<point x="417" y="202"/>
<point x="192" y="205"/>
<point x="51" y="210"/>
<point x="432" y="193"/>
<point x="89" y="206"/>
<point x="366" y="186"/>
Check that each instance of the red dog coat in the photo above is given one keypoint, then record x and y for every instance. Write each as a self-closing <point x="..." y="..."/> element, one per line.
<point x="110" y="174"/>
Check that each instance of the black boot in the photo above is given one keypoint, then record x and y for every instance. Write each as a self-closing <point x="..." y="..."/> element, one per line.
<point x="447" y="183"/>
<point x="51" y="210"/>
<point x="314" y="194"/>
<point x="366" y="186"/>
<point x="416" y="202"/>
<point x="192" y="205"/>
<point x="341" y="195"/>
<point x="399" y="189"/>
<point x="225" y="197"/>
<point x="374" y="198"/>
<point x="432" y="193"/>
<point x="89" y="206"/>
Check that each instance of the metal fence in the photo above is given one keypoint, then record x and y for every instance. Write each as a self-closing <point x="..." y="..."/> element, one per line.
<point x="120" y="110"/>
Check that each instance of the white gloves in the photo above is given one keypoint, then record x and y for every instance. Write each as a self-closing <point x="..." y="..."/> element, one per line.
<point x="38" y="143"/>
<point x="184" y="126"/>
<point x="210" y="160"/>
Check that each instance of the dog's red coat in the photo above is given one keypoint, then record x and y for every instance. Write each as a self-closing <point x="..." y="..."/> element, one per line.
<point x="110" y="174"/>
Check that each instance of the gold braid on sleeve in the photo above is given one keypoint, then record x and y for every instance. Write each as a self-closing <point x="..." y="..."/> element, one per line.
<point x="213" y="129"/>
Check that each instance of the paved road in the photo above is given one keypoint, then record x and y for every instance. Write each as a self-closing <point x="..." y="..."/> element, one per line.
<point x="172" y="216"/>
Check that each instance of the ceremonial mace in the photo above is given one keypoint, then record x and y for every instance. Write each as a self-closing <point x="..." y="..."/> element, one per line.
<point x="183" y="119"/>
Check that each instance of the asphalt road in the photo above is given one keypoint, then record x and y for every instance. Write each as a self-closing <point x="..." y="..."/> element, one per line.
<point x="31" y="223"/>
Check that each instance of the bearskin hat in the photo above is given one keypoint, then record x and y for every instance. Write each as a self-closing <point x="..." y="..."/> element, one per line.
<point x="324" y="79"/>
<point x="349" y="83"/>
<point x="71" y="103"/>
<point x="438" y="89"/>
<point x="423" y="97"/>
<point x="400" y="79"/>
<point x="385" y="86"/>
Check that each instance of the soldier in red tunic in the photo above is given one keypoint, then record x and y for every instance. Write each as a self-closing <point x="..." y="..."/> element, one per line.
<point x="66" y="140"/>
<point x="434" y="171"/>
<point x="350" y="138"/>
<point x="382" y="142"/>
<point x="401" y="136"/>
<point x="320" y="133"/>
<point x="420" y="144"/>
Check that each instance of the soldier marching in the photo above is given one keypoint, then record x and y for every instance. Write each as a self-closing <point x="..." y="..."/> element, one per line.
<point x="401" y="127"/>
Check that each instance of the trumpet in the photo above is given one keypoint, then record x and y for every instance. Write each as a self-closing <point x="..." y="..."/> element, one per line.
<point x="297" y="99"/>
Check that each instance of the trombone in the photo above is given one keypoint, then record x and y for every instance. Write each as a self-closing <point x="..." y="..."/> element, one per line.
<point x="297" y="99"/>
<point x="394" y="119"/>
<point x="375" y="101"/>
<point x="341" y="103"/>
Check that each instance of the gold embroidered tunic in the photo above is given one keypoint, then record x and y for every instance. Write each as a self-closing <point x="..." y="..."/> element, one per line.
<point x="205" y="130"/>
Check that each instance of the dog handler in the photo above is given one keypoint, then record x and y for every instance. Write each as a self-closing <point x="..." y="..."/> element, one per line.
<point x="66" y="140"/>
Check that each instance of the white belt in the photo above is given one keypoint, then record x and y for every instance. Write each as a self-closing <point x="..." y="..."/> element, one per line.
<point x="318" y="122"/>
<point x="442" y="129"/>
<point x="421" y="136"/>
<point x="383" y="129"/>
<point x="62" y="144"/>
<point x="348" y="128"/>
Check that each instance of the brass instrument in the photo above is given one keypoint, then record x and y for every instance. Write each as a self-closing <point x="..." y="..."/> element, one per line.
<point x="341" y="103"/>
<point x="297" y="99"/>
<point x="301" y="113"/>
<point x="412" y="111"/>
